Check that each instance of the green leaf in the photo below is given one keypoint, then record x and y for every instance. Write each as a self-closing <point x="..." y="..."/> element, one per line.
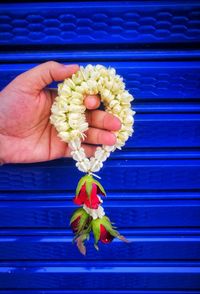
<point x="100" y="187"/>
<point x="108" y="226"/>
<point x="122" y="238"/>
<point x="106" y="223"/>
<point x="88" y="188"/>
<point x="82" y="182"/>
<point x="86" y="231"/>
<point x="78" y="212"/>
<point x="79" y="186"/>
<point x="82" y="223"/>
<point x="96" y="229"/>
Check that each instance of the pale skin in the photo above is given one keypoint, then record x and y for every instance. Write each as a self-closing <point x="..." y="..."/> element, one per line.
<point x="26" y="134"/>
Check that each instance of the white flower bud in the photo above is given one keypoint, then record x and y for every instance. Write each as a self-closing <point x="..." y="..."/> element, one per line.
<point x="123" y="136"/>
<point x="74" y="124"/>
<point x="70" y="83"/>
<point x="89" y="68"/>
<point x="77" y="78"/>
<point x="62" y="126"/>
<point x="78" y="96"/>
<point x="105" y="93"/>
<point x="73" y="116"/>
<point x="112" y="71"/>
<point x="128" y="119"/>
<point x="66" y="90"/>
<point x="113" y="103"/>
<point x="83" y="165"/>
<point x="95" y="165"/>
<point x="78" y="155"/>
<point x="108" y="148"/>
<point x="80" y="166"/>
<point x="94" y="213"/>
<point x="75" y="134"/>
<point x="77" y="108"/>
<point x="86" y="162"/>
<point x="83" y="127"/>
<point x="75" y="144"/>
<point x="117" y="109"/>
<point x="101" y="155"/>
<point x="64" y="136"/>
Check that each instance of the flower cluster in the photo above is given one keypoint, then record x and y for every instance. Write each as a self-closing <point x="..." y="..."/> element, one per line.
<point x="68" y="111"/>
<point x="91" y="216"/>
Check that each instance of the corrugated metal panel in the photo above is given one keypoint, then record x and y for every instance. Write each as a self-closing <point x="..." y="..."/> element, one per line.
<point x="153" y="184"/>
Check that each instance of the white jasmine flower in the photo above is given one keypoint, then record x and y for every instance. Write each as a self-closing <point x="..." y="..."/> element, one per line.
<point x="75" y="144"/>
<point x="95" y="213"/>
<point x="108" y="148"/>
<point x="77" y="155"/>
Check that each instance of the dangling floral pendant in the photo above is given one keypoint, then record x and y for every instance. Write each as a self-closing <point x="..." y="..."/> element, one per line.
<point x="91" y="216"/>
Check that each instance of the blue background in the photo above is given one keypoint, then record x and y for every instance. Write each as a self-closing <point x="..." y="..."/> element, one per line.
<point x="153" y="184"/>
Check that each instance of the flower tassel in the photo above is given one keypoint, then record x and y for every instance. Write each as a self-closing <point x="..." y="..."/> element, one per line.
<point x="90" y="217"/>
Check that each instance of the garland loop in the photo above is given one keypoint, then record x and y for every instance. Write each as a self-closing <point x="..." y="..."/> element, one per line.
<point x="68" y="112"/>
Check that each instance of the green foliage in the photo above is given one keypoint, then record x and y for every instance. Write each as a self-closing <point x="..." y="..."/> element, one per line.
<point x="100" y="187"/>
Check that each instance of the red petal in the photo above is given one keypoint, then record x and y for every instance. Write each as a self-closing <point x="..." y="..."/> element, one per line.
<point x="105" y="236"/>
<point x="92" y="201"/>
<point x="75" y="223"/>
<point x="80" y="198"/>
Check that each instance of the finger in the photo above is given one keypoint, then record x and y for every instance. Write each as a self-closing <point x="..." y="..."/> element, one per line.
<point x="97" y="136"/>
<point x="44" y="74"/>
<point x="103" y="120"/>
<point x="92" y="101"/>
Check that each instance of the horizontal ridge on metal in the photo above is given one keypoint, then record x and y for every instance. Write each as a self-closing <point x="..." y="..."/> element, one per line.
<point x="97" y="23"/>
<point x="145" y="80"/>
<point x="94" y="55"/>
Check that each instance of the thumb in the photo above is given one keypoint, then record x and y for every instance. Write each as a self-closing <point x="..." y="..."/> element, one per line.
<point x="39" y="77"/>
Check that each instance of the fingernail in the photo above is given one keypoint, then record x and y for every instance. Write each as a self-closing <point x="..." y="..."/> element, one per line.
<point x="74" y="67"/>
<point x="116" y="123"/>
<point x="93" y="101"/>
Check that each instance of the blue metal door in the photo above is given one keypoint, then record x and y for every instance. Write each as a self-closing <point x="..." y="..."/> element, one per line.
<point x="153" y="184"/>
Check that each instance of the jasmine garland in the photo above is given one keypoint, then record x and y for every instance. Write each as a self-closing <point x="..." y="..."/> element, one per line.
<point x="68" y="117"/>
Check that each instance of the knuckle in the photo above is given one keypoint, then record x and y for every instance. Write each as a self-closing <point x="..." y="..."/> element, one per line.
<point x="105" y="120"/>
<point x="99" y="137"/>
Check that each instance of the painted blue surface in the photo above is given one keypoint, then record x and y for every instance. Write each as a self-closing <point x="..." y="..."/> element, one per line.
<point x="113" y="22"/>
<point x="145" y="80"/>
<point x="153" y="184"/>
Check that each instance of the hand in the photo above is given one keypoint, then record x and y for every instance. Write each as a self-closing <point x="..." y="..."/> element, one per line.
<point x="26" y="134"/>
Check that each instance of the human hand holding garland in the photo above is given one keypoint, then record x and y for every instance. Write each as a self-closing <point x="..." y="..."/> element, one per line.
<point x="68" y="117"/>
<point x="26" y="134"/>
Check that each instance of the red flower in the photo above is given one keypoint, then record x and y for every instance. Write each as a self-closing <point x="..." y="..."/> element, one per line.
<point x="87" y="190"/>
<point x="104" y="231"/>
<point x="80" y="220"/>
<point x="105" y="236"/>
<point x="75" y="224"/>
